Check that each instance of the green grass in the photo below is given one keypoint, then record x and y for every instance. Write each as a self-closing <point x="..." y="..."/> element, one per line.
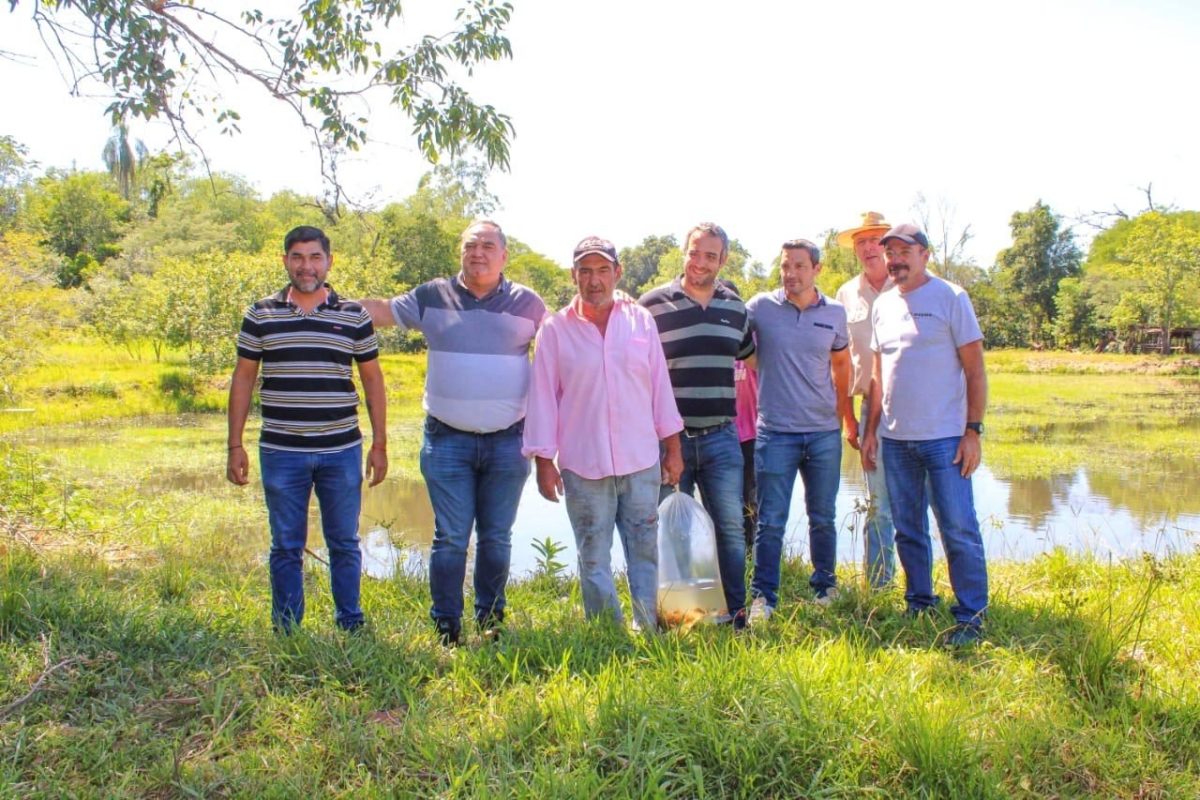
<point x="134" y="598"/>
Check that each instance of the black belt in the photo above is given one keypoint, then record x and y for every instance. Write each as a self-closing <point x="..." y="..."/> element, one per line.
<point x="696" y="433"/>
<point x="432" y="421"/>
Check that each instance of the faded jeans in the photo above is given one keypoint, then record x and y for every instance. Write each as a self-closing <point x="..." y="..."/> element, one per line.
<point x="908" y="465"/>
<point x="631" y="503"/>
<point x="879" y="551"/>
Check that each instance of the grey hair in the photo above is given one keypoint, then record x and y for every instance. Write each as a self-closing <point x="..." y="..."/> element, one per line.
<point x="491" y="224"/>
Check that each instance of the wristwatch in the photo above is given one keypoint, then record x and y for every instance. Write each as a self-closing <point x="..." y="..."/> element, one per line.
<point x="975" y="426"/>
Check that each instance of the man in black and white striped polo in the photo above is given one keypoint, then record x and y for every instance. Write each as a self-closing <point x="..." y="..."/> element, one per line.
<point x="704" y="328"/>
<point x="306" y="338"/>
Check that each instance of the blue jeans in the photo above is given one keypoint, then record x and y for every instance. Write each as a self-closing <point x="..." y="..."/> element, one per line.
<point x="714" y="462"/>
<point x="879" y="553"/>
<point x="474" y="480"/>
<point x="288" y="481"/>
<point x="631" y="503"/>
<point x="777" y="457"/>
<point x="909" y="464"/>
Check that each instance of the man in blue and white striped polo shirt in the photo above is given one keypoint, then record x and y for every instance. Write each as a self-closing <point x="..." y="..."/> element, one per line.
<point x="306" y="338"/>
<point x="479" y="326"/>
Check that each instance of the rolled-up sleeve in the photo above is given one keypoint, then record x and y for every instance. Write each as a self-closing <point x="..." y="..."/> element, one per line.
<point x="541" y="416"/>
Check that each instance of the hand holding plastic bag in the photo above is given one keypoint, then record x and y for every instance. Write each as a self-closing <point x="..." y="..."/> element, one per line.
<point x="689" y="580"/>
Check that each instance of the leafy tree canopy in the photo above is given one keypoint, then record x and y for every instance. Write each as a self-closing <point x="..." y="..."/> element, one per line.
<point x="169" y="60"/>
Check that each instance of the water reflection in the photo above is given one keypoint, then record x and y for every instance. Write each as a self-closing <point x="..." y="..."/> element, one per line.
<point x="1089" y="512"/>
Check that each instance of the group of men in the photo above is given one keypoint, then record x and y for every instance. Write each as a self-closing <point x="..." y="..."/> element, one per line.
<point x="625" y="401"/>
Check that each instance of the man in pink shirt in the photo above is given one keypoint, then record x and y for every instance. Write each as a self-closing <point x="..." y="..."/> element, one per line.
<point x="601" y="402"/>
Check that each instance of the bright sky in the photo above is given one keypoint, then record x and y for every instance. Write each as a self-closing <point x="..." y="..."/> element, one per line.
<point x="773" y="119"/>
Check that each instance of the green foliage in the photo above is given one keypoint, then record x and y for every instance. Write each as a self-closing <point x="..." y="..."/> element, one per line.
<point x="201" y="215"/>
<point x="1162" y="267"/>
<point x="1075" y="322"/>
<point x="838" y="264"/>
<point x="81" y="218"/>
<point x="170" y="60"/>
<point x="14" y="174"/>
<point x="27" y="272"/>
<point x="639" y="264"/>
<point x="551" y="282"/>
<point x="1028" y="272"/>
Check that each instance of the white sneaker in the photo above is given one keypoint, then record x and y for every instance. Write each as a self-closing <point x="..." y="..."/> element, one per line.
<point x="827" y="597"/>
<point x="760" y="611"/>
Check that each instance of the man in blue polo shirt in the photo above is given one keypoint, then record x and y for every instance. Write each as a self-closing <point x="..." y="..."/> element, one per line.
<point x="803" y="400"/>
<point x="306" y="337"/>
<point x="703" y="327"/>
<point x="479" y="326"/>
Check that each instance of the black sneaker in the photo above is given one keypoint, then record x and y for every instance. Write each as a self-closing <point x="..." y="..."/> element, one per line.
<point x="448" y="630"/>
<point x="964" y="635"/>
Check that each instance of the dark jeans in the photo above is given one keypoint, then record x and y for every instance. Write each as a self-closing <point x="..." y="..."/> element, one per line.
<point x="474" y="480"/>
<point x="919" y="473"/>
<point x="288" y="482"/>
<point x="713" y="462"/>
<point x="749" y="495"/>
<point x="778" y="456"/>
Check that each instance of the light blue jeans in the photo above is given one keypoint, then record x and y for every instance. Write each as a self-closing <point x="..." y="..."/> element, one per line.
<point x="909" y="464"/>
<point x="631" y="503"/>
<point x="879" y="553"/>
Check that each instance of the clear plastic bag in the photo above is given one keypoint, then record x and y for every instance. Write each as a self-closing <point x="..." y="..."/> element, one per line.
<point x="689" y="579"/>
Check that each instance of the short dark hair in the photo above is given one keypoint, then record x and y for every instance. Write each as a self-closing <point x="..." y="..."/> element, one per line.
<point x="306" y="233"/>
<point x="814" y="252"/>
<point x="709" y="228"/>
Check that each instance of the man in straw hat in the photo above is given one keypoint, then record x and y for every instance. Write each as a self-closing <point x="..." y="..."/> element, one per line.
<point x="858" y="295"/>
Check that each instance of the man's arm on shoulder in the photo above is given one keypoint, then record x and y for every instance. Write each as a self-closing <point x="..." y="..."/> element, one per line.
<point x="380" y="311"/>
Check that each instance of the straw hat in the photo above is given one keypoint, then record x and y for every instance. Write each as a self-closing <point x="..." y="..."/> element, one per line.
<point x="872" y="221"/>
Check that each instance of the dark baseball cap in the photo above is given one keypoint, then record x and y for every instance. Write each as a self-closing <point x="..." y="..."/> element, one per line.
<point x="596" y="245"/>
<point x="906" y="233"/>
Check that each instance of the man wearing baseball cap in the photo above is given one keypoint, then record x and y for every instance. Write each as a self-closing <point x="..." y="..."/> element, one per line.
<point x="601" y="403"/>
<point x="858" y="295"/>
<point x="928" y="396"/>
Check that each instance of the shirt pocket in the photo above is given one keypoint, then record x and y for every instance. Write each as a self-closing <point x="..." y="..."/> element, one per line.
<point x="637" y="356"/>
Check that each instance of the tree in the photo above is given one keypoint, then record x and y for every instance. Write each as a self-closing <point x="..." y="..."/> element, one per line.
<point x="640" y="263"/>
<point x="948" y="242"/>
<point x="81" y="218"/>
<point x="544" y="276"/>
<point x="122" y="157"/>
<point x="838" y="264"/>
<point x="1041" y="255"/>
<point x="1163" y="266"/>
<point x="323" y="61"/>
<point x="14" y="174"/>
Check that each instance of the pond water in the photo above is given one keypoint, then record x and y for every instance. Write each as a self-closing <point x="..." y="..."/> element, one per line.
<point x="1104" y="514"/>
